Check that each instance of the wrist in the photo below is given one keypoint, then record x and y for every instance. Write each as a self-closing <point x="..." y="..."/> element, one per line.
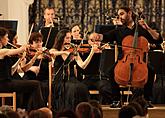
<point x="148" y="28"/>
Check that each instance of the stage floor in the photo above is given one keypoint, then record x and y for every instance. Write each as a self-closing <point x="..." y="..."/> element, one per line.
<point x="158" y="111"/>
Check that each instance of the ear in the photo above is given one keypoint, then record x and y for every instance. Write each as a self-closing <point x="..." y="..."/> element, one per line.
<point x="130" y="13"/>
<point x="44" y="16"/>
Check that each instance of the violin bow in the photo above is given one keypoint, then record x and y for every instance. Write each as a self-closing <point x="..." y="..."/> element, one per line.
<point x="50" y="29"/>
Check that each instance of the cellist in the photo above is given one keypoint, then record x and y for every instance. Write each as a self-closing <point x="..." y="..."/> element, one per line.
<point x="127" y="18"/>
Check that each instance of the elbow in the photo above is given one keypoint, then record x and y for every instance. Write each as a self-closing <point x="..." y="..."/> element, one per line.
<point x="83" y="66"/>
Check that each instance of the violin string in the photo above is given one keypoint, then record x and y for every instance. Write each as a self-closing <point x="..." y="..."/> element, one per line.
<point x="121" y="45"/>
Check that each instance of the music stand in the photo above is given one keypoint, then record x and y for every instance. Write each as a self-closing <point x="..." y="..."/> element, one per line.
<point x="105" y="28"/>
<point x="45" y="31"/>
<point x="107" y="60"/>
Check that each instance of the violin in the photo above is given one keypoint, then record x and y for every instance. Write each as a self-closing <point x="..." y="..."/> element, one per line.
<point x="83" y="48"/>
<point x="45" y="53"/>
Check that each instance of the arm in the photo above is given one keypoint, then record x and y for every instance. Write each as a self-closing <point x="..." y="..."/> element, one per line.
<point x="27" y="66"/>
<point x="9" y="52"/>
<point x="15" y="66"/>
<point x="83" y="64"/>
<point x="152" y="32"/>
<point x="55" y="52"/>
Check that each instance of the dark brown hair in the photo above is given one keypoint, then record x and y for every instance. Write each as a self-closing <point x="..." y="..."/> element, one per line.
<point x="3" y="32"/>
<point x="59" y="40"/>
<point x="127" y="9"/>
<point x="35" y="36"/>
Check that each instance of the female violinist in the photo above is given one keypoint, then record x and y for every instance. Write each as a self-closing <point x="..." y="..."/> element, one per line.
<point x="68" y="91"/>
<point x="36" y="65"/>
<point x="125" y="35"/>
<point x="21" y="87"/>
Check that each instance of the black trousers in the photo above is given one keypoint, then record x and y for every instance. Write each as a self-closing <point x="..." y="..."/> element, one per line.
<point x="104" y="87"/>
<point x="146" y="91"/>
<point x="30" y="89"/>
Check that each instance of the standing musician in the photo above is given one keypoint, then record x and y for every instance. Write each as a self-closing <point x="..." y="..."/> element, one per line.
<point x="68" y="91"/>
<point x="31" y="88"/>
<point x="49" y="19"/>
<point x="125" y="36"/>
<point x="36" y="65"/>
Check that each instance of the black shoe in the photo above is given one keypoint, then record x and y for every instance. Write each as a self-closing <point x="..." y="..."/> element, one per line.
<point x="149" y="104"/>
<point x="115" y="104"/>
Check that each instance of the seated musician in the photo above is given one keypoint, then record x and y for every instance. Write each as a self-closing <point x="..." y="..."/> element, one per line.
<point x="8" y="84"/>
<point x="92" y="75"/>
<point x="36" y="65"/>
<point x="120" y="35"/>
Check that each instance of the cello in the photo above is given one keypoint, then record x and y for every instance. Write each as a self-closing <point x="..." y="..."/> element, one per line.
<point x="132" y="69"/>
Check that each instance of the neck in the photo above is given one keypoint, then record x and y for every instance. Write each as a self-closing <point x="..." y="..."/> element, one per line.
<point x="48" y="24"/>
<point x="131" y="25"/>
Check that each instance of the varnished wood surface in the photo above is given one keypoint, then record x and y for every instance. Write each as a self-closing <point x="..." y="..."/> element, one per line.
<point x="158" y="111"/>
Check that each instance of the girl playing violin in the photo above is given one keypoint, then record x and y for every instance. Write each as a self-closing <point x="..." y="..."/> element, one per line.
<point x="21" y="87"/>
<point x="36" y="66"/>
<point x="68" y="91"/>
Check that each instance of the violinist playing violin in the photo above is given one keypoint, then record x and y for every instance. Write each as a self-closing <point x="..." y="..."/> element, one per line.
<point x="10" y="84"/>
<point x="92" y="79"/>
<point x="68" y="91"/>
<point x="36" y="65"/>
<point x="132" y="40"/>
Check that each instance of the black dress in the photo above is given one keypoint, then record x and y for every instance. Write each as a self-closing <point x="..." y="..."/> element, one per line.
<point x="30" y="88"/>
<point x="67" y="90"/>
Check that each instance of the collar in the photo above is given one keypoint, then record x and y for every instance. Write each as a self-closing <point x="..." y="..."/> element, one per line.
<point x="131" y="26"/>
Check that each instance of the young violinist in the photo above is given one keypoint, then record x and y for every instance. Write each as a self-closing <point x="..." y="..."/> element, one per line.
<point x="21" y="87"/>
<point x="131" y="22"/>
<point x="68" y="91"/>
<point x="36" y="65"/>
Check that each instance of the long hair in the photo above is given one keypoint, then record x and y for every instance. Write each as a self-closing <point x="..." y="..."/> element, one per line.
<point x="59" y="40"/>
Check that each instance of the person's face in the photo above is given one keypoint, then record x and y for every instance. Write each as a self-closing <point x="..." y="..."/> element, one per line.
<point x="49" y="15"/>
<point x="76" y="32"/>
<point x="67" y="39"/>
<point x="94" y="42"/>
<point x="37" y="45"/>
<point x="124" y="16"/>
<point x="4" y="40"/>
